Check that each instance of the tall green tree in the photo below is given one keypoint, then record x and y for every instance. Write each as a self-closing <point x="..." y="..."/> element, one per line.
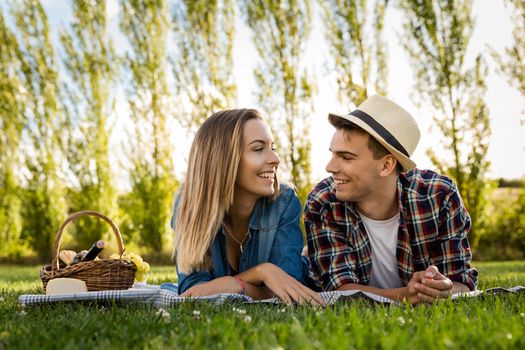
<point x="11" y="124"/>
<point x="44" y="206"/>
<point x="90" y="62"/>
<point x="280" y="32"/>
<point x="513" y="64"/>
<point x="355" y="37"/>
<point x="145" y="24"/>
<point x="437" y="33"/>
<point x="203" y="64"/>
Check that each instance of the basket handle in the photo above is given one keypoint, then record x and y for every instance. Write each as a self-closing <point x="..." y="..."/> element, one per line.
<point x="54" y="261"/>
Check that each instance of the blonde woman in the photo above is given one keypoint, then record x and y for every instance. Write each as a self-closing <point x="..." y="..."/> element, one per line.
<point x="236" y="229"/>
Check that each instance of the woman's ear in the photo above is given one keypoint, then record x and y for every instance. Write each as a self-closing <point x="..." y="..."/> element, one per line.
<point x="389" y="165"/>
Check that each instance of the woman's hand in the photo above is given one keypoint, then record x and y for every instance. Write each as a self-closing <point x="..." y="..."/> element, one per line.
<point x="287" y="288"/>
<point x="226" y="284"/>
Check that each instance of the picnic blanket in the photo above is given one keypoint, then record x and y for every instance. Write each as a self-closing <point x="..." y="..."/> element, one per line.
<point x="166" y="296"/>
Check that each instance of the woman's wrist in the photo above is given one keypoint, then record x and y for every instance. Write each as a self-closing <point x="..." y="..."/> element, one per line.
<point x="242" y="285"/>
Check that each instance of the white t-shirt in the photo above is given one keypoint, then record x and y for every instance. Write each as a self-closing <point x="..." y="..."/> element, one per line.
<point x="383" y="239"/>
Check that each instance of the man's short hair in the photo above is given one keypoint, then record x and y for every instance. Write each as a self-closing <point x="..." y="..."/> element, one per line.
<point x="377" y="149"/>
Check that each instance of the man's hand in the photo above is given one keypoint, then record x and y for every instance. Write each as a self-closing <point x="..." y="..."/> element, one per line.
<point x="428" y="286"/>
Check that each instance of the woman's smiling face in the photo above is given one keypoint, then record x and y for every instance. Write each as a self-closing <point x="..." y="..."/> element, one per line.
<point x="259" y="162"/>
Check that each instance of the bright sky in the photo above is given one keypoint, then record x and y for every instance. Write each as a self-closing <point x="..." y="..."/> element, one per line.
<point x="507" y="149"/>
<point x="506" y="105"/>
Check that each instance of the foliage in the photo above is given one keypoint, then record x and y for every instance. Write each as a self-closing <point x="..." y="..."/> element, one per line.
<point x="56" y="127"/>
<point x="356" y="324"/>
<point x="43" y="205"/>
<point x="504" y="236"/>
<point x="90" y="61"/>
<point x="512" y="64"/>
<point x="280" y="31"/>
<point x="11" y="124"/>
<point x="436" y="39"/>
<point x="357" y="46"/>
<point x="145" y="25"/>
<point x="203" y="64"/>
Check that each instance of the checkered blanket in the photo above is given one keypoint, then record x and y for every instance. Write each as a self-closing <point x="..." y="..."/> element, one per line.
<point x="154" y="295"/>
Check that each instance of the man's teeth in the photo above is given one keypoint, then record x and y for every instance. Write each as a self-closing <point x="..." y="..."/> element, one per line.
<point x="341" y="182"/>
<point x="268" y="175"/>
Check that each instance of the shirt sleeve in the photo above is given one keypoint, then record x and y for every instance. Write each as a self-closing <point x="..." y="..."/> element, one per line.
<point x="453" y="255"/>
<point x="288" y="242"/>
<point x="331" y="257"/>
<point x="186" y="281"/>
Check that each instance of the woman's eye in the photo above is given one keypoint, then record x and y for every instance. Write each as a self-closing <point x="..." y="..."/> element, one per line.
<point x="259" y="149"/>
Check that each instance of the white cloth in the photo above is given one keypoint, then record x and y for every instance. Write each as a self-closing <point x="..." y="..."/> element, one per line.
<point x="383" y="239"/>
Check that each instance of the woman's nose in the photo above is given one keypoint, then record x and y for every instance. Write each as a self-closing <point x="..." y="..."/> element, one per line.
<point x="274" y="158"/>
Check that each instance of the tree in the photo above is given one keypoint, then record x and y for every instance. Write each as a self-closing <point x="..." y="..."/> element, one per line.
<point x="11" y="123"/>
<point x="436" y="39"/>
<point x="90" y="61"/>
<point x="145" y="23"/>
<point x="203" y="65"/>
<point x="281" y="29"/>
<point x="44" y="206"/>
<point x="513" y="65"/>
<point x="357" y="47"/>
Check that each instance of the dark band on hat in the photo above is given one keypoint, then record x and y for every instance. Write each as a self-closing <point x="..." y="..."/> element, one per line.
<point x="384" y="133"/>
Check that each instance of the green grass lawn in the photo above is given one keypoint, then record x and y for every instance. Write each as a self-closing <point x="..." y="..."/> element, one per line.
<point x="486" y="322"/>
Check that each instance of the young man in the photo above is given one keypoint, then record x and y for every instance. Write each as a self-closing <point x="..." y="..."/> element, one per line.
<point x="380" y="225"/>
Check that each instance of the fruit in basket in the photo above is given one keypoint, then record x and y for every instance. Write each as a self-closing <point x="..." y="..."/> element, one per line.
<point x="142" y="266"/>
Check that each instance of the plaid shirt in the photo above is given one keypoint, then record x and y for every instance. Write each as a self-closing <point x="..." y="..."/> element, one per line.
<point x="433" y="227"/>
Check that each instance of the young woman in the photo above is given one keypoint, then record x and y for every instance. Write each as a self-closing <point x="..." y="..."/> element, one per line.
<point x="236" y="229"/>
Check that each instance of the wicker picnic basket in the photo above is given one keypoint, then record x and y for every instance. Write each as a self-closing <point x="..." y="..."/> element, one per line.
<point x="102" y="274"/>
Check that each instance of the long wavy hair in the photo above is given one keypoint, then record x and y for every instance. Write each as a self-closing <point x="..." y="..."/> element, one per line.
<point x="207" y="192"/>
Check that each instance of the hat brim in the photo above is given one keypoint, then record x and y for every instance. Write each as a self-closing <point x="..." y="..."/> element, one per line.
<point x="406" y="163"/>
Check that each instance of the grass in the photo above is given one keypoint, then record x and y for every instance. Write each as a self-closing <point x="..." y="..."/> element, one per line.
<point x="487" y="322"/>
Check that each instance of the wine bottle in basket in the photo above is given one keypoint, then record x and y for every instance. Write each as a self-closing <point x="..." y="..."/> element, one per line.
<point x="93" y="251"/>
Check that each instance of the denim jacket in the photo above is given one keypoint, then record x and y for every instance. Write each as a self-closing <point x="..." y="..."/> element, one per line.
<point x="274" y="235"/>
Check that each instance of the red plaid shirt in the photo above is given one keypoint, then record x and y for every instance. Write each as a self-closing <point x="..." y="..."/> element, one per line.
<point x="433" y="227"/>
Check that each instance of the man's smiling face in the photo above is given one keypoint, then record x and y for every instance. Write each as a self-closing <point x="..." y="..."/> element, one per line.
<point x="353" y="167"/>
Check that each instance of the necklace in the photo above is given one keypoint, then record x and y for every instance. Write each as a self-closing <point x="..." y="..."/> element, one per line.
<point x="235" y="239"/>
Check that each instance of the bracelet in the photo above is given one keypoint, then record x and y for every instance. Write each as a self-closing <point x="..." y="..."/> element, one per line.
<point x="242" y="284"/>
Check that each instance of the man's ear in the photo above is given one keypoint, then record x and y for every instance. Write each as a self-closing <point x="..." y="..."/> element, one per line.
<point x="389" y="165"/>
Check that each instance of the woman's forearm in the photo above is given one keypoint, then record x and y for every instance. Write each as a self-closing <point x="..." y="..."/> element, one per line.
<point x="258" y="292"/>
<point x="254" y="279"/>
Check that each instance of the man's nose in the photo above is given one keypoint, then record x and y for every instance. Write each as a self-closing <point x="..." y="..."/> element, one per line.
<point x="331" y="167"/>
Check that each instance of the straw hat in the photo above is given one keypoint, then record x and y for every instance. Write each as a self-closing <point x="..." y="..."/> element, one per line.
<point x="390" y="124"/>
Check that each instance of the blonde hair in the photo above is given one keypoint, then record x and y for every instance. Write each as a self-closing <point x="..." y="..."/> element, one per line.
<point x="207" y="192"/>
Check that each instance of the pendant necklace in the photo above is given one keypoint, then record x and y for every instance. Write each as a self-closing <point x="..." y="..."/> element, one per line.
<point x="235" y="239"/>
